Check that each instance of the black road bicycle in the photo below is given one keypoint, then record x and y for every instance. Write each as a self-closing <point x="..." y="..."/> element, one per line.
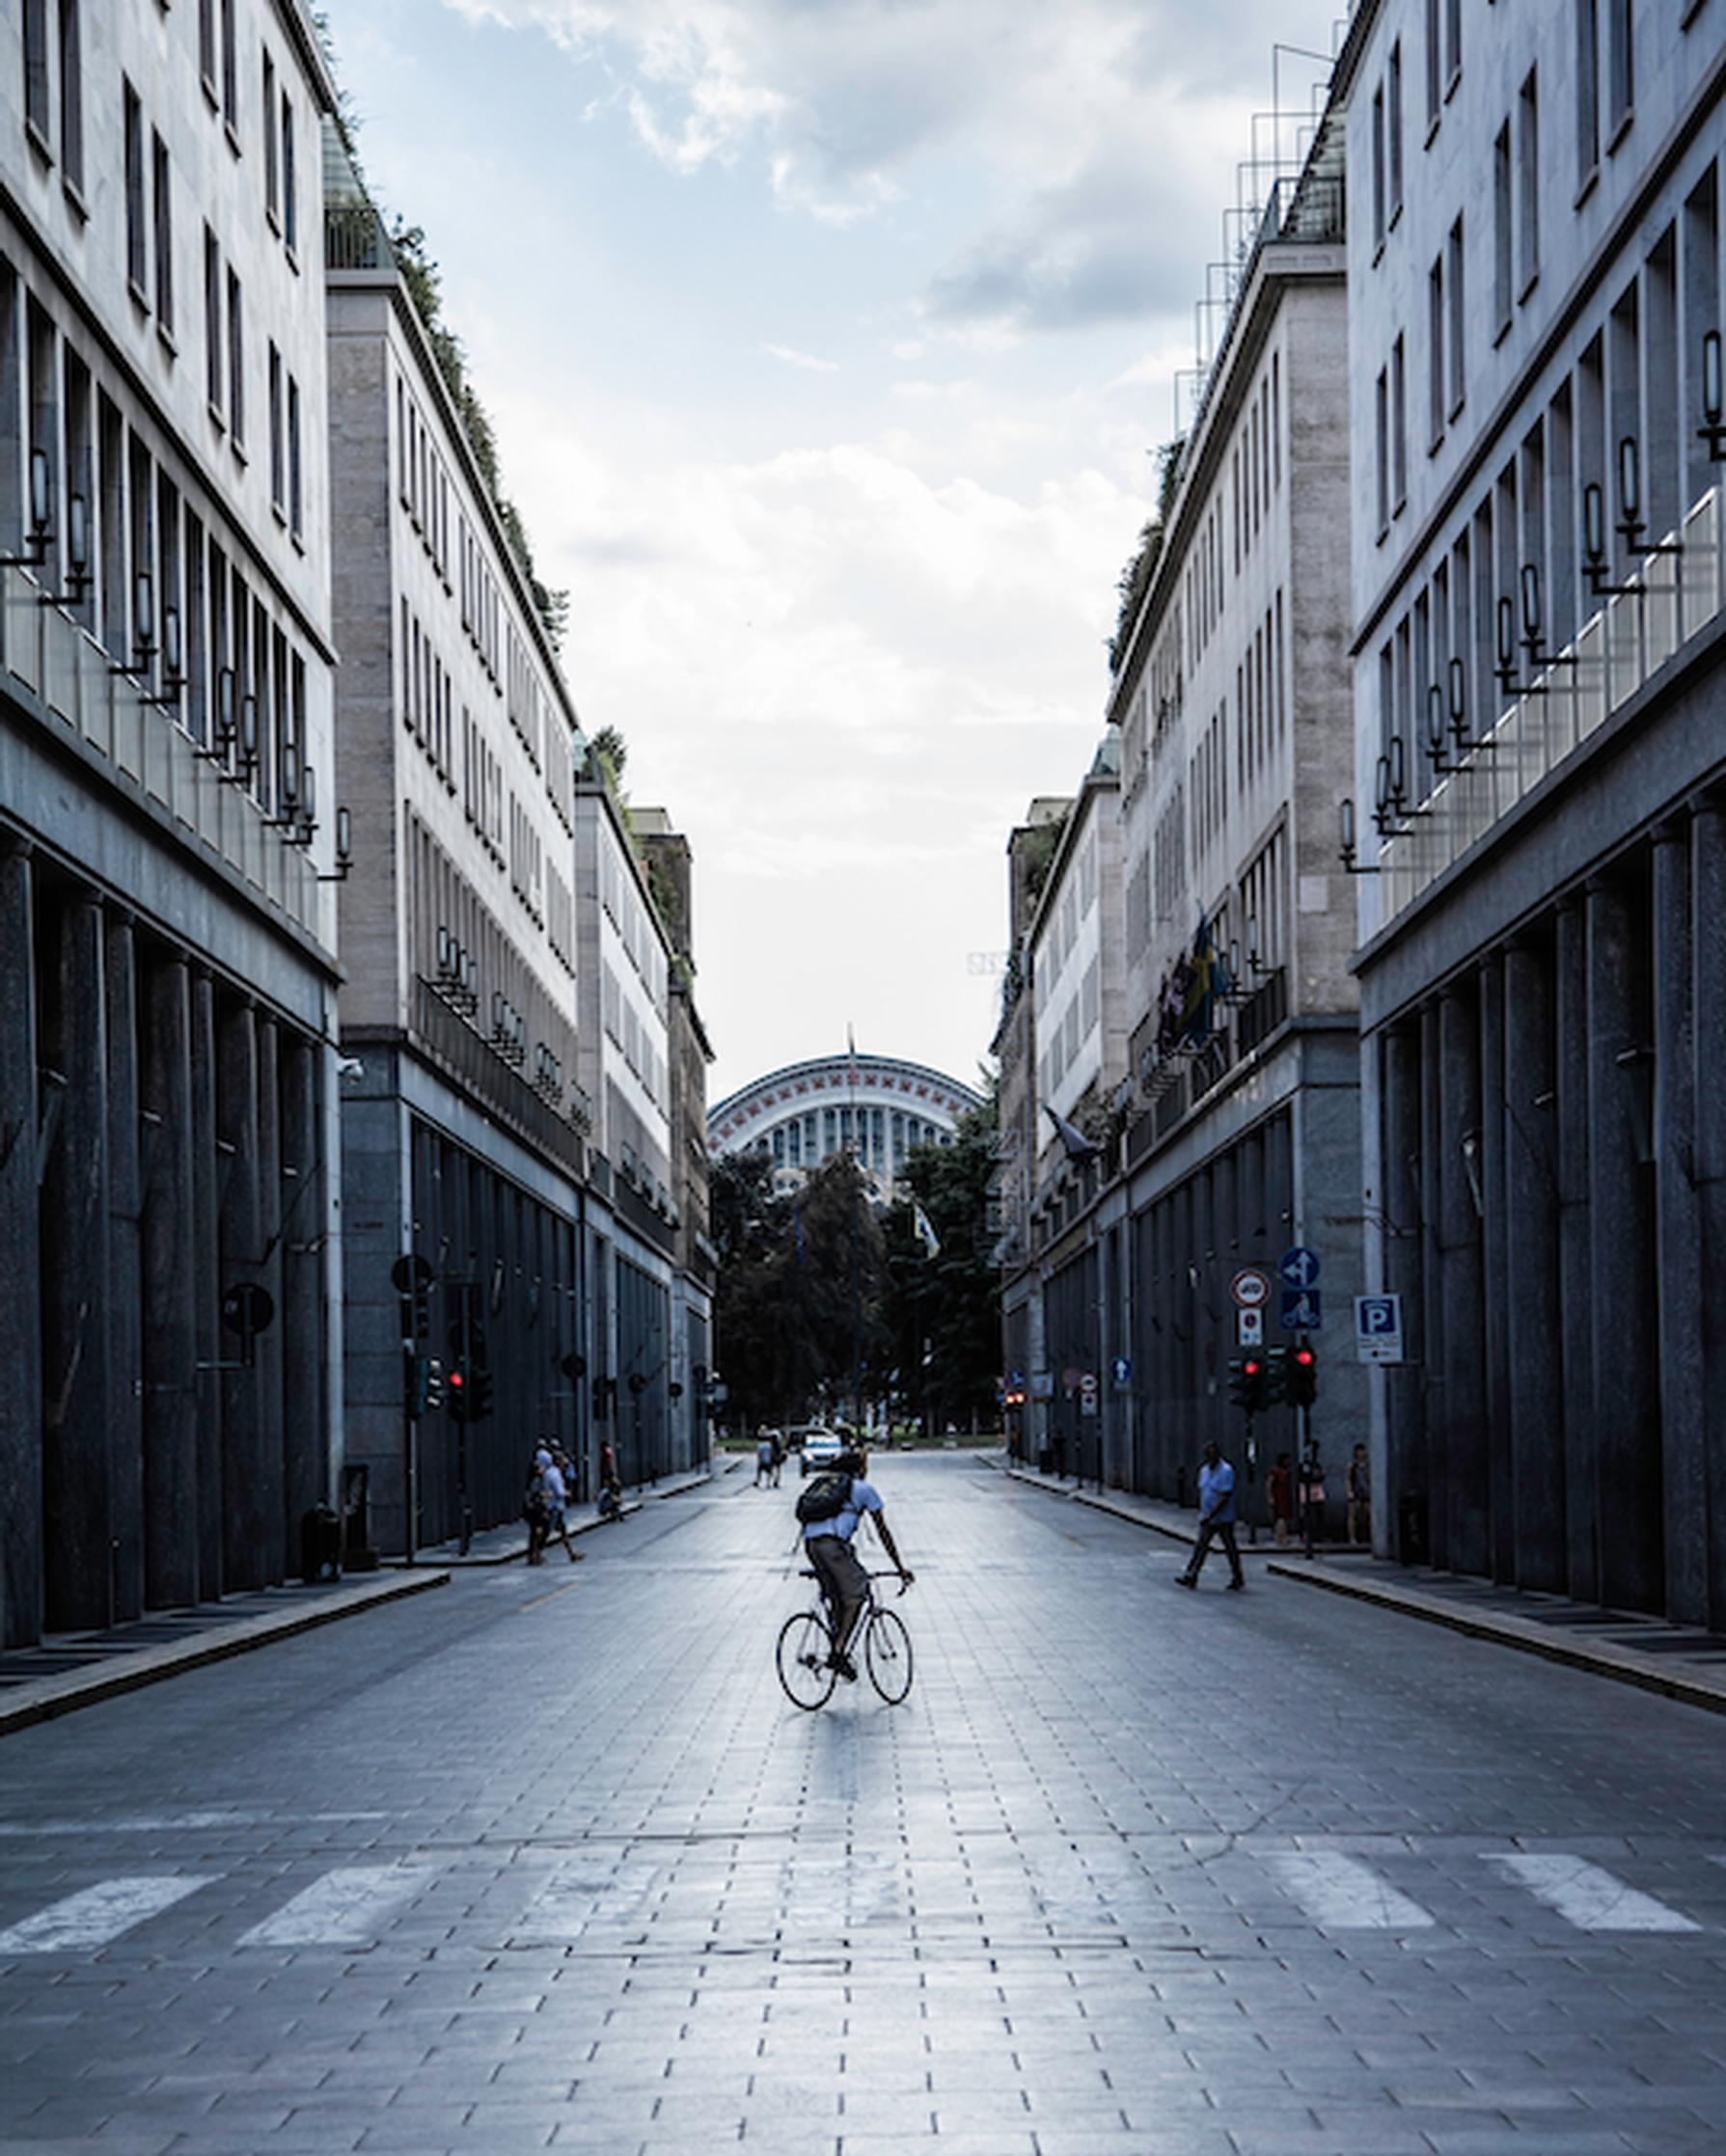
<point x="880" y="1642"/>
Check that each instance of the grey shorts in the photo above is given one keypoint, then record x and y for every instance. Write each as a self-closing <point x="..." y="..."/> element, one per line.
<point x="839" y="1569"/>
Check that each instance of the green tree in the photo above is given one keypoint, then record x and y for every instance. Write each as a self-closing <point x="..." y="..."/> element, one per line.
<point x="802" y="1283"/>
<point x="946" y="1308"/>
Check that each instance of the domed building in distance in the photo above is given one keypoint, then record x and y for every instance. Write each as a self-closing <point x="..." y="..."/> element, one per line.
<point x="874" y="1106"/>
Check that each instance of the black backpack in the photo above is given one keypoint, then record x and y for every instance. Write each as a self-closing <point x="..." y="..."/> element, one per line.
<point x="824" y="1498"/>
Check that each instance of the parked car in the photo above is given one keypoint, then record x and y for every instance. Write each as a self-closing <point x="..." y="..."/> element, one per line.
<point x="818" y="1449"/>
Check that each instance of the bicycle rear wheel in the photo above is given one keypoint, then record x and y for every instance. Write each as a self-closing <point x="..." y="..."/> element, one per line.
<point x="887" y="1654"/>
<point x="803" y="1651"/>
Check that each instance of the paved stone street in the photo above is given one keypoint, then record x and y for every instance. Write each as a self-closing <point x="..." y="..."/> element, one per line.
<point x="547" y="1860"/>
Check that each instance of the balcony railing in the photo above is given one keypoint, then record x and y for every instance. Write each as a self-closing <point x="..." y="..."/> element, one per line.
<point x="473" y="1058"/>
<point x="354" y="238"/>
<point x="143" y="745"/>
<point x="1669" y="600"/>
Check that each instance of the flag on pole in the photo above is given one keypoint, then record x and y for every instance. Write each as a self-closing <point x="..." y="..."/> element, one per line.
<point x="926" y="1231"/>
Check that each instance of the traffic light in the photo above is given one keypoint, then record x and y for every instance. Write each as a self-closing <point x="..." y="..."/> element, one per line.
<point x="1277" y="1377"/>
<point x="478" y="1395"/>
<point x="424" y="1386"/>
<point x="434" y="1382"/>
<point x="1247" y="1383"/>
<point x="460" y="1397"/>
<point x="1303" y="1376"/>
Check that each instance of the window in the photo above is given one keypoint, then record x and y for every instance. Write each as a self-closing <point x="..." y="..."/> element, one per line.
<point x="1435" y="63"/>
<point x="1458" y="318"/>
<point x="1394" y="97"/>
<point x="71" y="95"/>
<point x="1383" y="433"/>
<point x="1453" y="41"/>
<point x="212" y="323"/>
<point x="1435" y="325"/>
<point x="137" y="265"/>
<point x="272" y="164"/>
<point x="1399" y="425"/>
<point x="295" y="468"/>
<point x="1380" y="191"/>
<point x="162" y="205"/>
<point x="1588" y="88"/>
<point x="1620" y="72"/>
<point x="1502" y="266"/>
<point x="277" y="446"/>
<point x="1528" y="184"/>
<point x="229" y="65"/>
<point x="236" y="362"/>
<point x="36" y="71"/>
<point x="290" y="216"/>
<point x="207" y="47"/>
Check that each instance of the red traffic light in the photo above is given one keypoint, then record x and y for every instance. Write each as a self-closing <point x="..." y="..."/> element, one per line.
<point x="1252" y="1366"/>
<point x="1304" y="1358"/>
<point x="455" y="1381"/>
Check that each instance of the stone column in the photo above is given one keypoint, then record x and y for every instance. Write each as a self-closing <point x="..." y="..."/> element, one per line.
<point x="1620" y="1253"/>
<point x="21" y="1306"/>
<point x="78" y="1399"/>
<point x="1434" y="1417"/>
<point x="205" y="1271"/>
<point x="1461" y="1358"/>
<point x="1535" y="1436"/>
<point x="125" y="1200"/>
<point x="1707" y="899"/>
<point x="1683" y="1284"/>
<point x="1403" y="1472"/>
<point x="243" y="1475"/>
<point x="169" y="1296"/>
<point x="305" y="1449"/>
<point x="1582" y="1468"/>
<point x="1495" y="1294"/>
<point x="273" y="1198"/>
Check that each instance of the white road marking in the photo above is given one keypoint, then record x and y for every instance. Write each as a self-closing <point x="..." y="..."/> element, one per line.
<point x="95" y="1915"/>
<point x="1587" y="1895"/>
<point x="1344" y="1895"/>
<point x="344" y="1908"/>
<point x="172" y="1822"/>
<point x="586" y="1892"/>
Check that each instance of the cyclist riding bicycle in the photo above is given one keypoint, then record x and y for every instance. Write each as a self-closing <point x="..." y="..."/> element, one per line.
<point x="828" y="1541"/>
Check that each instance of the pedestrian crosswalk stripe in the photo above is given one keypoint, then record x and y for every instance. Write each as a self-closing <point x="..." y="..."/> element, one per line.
<point x="579" y="1895"/>
<point x="1344" y="1895"/>
<point x="96" y="1915"/>
<point x="1587" y="1895"/>
<point x="344" y="1908"/>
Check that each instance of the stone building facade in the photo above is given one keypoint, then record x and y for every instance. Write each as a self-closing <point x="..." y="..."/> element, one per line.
<point x="465" y="1125"/>
<point x="1535" y="326"/>
<point x="167" y="810"/>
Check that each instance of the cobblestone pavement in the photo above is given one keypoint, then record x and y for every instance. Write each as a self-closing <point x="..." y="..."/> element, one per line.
<point x="547" y="1860"/>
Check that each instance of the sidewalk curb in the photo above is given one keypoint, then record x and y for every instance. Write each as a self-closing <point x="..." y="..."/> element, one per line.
<point x="589" y="1524"/>
<point x="53" y="1696"/>
<point x="1594" y="1659"/>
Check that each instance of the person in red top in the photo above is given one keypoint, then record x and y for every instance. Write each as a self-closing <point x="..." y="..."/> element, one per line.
<point x="1281" y="1483"/>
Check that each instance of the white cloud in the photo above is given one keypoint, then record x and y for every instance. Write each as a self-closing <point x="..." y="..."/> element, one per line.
<point x="807" y="359"/>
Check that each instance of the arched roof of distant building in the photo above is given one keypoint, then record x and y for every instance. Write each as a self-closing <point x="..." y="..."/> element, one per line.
<point x="926" y="1103"/>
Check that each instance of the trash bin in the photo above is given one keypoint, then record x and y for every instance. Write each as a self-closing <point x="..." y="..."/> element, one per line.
<point x="320" y="1544"/>
<point x="1045" y="1461"/>
<point x="1412" y="1544"/>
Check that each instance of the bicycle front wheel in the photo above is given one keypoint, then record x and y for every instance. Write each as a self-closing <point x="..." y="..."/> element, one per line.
<point x="886" y="1653"/>
<point x="804" y="1650"/>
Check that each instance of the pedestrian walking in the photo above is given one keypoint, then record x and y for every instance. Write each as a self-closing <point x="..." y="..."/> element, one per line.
<point x="1281" y="1483"/>
<point x="610" y="1489"/>
<point x="1310" y="1493"/>
<point x="763" y="1460"/>
<point x="1216" y="1517"/>
<point x="553" y="1465"/>
<point x="1359" y="1497"/>
<point x="779" y="1456"/>
<point x="535" y="1506"/>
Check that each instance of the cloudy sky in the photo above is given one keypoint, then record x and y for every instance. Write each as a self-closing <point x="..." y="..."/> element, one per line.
<point x="829" y="343"/>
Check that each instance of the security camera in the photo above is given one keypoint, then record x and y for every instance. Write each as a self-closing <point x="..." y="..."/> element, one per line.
<point x="349" y="1066"/>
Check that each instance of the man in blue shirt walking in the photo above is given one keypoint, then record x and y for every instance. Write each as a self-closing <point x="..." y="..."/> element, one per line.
<point x="1216" y="1517"/>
